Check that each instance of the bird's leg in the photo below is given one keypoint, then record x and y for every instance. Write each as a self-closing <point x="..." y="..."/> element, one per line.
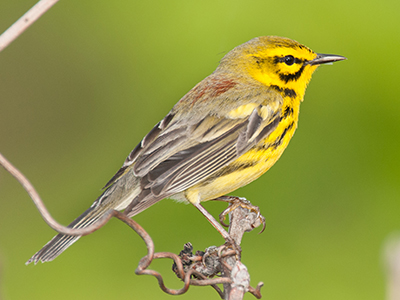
<point x="235" y="202"/>
<point x="218" y="226"/>
<point x="214" y="222"/>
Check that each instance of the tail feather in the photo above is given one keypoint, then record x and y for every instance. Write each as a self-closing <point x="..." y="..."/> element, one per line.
<point x="53" y="248"/>
<point x="116" y="196"/>
<point x="61" y="242"/>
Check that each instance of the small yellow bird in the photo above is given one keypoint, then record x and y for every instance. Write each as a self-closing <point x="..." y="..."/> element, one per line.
<point x="224" y="133"/>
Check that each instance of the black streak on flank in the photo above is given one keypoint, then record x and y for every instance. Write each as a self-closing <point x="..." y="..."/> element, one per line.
<point x="288" y="111"/>
<point x="280" y="138"/>
<point x="291" y="77"/>
<point x="286" y="91"/>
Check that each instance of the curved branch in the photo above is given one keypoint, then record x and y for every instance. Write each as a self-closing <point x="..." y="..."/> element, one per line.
<point x="42" y="209"/>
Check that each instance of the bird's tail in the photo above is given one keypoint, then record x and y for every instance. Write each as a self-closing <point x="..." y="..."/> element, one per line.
<point x="61" y="242"/>
<point x="117" y="196"/>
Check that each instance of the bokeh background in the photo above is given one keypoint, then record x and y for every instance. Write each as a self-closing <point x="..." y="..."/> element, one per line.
<point x="86" y="82"/>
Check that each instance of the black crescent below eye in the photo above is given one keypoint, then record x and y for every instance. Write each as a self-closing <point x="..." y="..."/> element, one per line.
<point x="289" y="60"/>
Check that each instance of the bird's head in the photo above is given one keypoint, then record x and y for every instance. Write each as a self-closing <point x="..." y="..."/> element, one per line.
<point x="276" y="61"/>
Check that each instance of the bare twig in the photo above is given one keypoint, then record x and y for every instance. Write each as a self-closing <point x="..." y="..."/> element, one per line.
<point x="24" y="22"/>
<point x="240" y="281"/>
<point x="243" y="218"/>
<point x="392" y="257"/>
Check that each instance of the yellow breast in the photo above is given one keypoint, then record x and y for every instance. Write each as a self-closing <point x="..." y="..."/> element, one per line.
<point x="254" y="162"/>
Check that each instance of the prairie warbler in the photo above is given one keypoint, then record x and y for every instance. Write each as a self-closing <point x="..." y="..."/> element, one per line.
<point x="224" y="133"/>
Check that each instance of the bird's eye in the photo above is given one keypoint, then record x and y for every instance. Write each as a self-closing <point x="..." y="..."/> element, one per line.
<point x="289" y="60"/>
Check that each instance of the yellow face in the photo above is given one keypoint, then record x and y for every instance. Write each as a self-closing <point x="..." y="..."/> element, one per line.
<point x="283" y="65"/>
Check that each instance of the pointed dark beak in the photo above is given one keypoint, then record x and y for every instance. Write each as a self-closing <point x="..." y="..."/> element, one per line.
<point x="325" y="59"/>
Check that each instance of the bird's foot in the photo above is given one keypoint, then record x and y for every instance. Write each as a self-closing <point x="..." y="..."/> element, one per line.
<point x="234" y="203"/>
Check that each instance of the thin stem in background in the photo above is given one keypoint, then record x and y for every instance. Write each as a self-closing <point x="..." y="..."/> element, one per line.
<point x="16" y="29"/>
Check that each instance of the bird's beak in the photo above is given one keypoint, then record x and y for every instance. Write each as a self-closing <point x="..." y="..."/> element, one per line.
<point x="325" y="59"/>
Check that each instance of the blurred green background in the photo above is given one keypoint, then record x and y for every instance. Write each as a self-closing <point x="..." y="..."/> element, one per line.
<point x="85" y="83"/>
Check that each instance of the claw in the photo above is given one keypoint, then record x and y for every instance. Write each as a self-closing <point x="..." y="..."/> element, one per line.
<point x="226" y="246"/>
<point x="235" y="202"/>
<point x="222" y="216"/>
<point x="262" y="220"/>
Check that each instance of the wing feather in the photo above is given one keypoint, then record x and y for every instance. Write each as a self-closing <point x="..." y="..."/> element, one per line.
<point x="187" y="167"/>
